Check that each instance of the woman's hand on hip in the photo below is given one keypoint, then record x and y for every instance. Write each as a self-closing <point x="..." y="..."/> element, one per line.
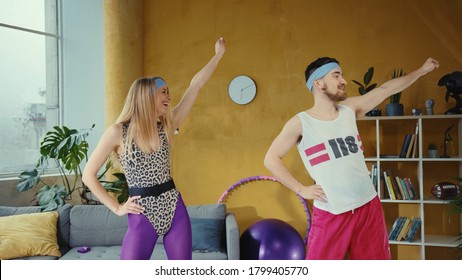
<point x="130" y="207"/>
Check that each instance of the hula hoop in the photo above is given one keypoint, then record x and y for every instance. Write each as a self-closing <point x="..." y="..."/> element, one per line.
<point x="269" y="178"/>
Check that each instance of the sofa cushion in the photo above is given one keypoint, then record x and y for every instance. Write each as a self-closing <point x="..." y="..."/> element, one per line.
<point x="113" y="253"/>
<point x="11" y="210"/>
<point x="207" y="223"/>
<point x="96" y="253"/>
<point x="96" y="225"/>
<point x="64" y="225"/>
<point x="63" y="220"/>
<point x="207" y="211"/>
<point x="33" y="234"/>
<point x="206" y="234"/>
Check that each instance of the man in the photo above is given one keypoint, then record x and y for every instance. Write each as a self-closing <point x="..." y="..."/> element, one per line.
<point x="347" y="213"/>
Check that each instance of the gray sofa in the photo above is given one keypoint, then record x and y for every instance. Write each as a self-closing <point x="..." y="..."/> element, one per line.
<point x="96" y="227"/>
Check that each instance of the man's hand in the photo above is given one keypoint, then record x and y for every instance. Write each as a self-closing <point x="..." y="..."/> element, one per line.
<point x="313" y="192"/>
<point x="429" y="65"/>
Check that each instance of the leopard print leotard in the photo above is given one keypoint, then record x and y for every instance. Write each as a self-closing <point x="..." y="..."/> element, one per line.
<point x="144" y="170"/>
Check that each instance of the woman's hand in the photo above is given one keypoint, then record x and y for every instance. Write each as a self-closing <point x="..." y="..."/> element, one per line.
<point x="220" y="46"/>
<point x="130" y="207"/>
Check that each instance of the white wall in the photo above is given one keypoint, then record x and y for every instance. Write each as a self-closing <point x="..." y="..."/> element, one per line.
<point x="83" y="66"/>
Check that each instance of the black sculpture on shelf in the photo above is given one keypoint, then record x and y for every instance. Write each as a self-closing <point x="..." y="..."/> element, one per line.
<point x="448" y="148"/>
<point x="453" y="83"/>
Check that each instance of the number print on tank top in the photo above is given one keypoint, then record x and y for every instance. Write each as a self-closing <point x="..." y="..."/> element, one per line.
<point x="340" y="148"/>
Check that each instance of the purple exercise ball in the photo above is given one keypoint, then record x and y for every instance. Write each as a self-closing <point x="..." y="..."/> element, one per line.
<point x="271" y="239"/>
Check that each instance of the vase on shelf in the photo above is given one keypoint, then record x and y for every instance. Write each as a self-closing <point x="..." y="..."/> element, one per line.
<point x="394" y="109"/>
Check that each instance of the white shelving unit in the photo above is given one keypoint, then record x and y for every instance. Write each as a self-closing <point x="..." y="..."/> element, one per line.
<point x="387" y="134"/>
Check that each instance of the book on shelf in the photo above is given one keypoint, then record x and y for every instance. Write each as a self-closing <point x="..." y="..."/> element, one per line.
<point x="413" y="228"/>
<point x="404" y="229"/>
<point x="397" y="188"/>
<point x="411" y="146"/>
<point x="402" y="190"/>
<point x="393" y="234"/>
<point x="384" y="193"/>
<point x="394" y="185"/>
<point x="416" y="138"/>
<point x="386" y="178"/>
<point x="406" y="193"/>
<point x="374" y="175"/>
<point x="398" y="228"/>
<point x="393" y="228"/>
<point x="410" y="187"/>
<point x="388" y="156"/>
<point x="405" y="146"/>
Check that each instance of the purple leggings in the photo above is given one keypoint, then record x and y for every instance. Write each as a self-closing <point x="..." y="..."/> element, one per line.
<point x="141" y="237"/>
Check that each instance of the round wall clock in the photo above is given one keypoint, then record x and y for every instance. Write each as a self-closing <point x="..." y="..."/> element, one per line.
<point x="242" y="90"/>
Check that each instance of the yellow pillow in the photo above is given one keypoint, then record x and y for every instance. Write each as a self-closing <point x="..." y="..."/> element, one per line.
<point x="28" y="235"/>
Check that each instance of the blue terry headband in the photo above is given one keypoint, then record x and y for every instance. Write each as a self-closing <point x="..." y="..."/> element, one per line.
<point x="319" y="73"/>
<point x="158" y="82"/>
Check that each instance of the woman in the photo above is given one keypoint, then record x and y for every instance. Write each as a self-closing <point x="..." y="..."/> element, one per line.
<point x="142" y="138"/>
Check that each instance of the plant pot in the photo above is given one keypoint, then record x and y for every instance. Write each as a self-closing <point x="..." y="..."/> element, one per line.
<point x="394" y="109"/>
<point x="432" y="153"/>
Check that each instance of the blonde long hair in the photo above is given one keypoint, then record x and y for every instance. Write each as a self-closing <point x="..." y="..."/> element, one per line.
<point x="140" y="113"/>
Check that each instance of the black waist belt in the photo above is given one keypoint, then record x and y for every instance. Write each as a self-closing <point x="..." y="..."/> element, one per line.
<point x="155" y="190"/>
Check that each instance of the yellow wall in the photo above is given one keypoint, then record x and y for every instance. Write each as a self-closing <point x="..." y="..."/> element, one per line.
<point x="272" y="41"/>
<point x="123" y="49"/>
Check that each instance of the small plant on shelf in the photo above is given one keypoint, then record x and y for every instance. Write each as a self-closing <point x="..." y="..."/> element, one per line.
<point x="395" y="108"/>
<point x="432" y="150"/>
<point x="365" y="88"/>
<point x="396" y="98"/>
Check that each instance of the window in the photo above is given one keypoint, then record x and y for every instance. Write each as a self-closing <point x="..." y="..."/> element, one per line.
<point x="29" y="85"/>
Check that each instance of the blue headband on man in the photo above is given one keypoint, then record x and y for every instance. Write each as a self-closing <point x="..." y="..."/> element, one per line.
<point x="319" y="73"/>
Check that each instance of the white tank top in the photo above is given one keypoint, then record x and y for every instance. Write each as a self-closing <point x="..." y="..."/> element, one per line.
<point x="333" y="155"/>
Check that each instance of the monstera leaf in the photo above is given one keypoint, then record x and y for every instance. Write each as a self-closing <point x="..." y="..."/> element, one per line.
<point x="27" y="180"/>
<point x="51" y="197"/>
<point x="119" y="187"/>
<point x="66" y="145"/>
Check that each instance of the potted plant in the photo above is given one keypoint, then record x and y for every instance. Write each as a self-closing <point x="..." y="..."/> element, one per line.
<point x="67" y="148"/>
<point x="395" y="108"/>
<point x="432" y="150"/>
<point x="366" y="86"/>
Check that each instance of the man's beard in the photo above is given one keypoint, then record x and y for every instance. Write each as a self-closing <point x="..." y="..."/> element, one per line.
<point x="338" y="96"/>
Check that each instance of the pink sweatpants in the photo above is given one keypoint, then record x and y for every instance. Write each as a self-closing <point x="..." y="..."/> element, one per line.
<point x="361" y="232"/>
